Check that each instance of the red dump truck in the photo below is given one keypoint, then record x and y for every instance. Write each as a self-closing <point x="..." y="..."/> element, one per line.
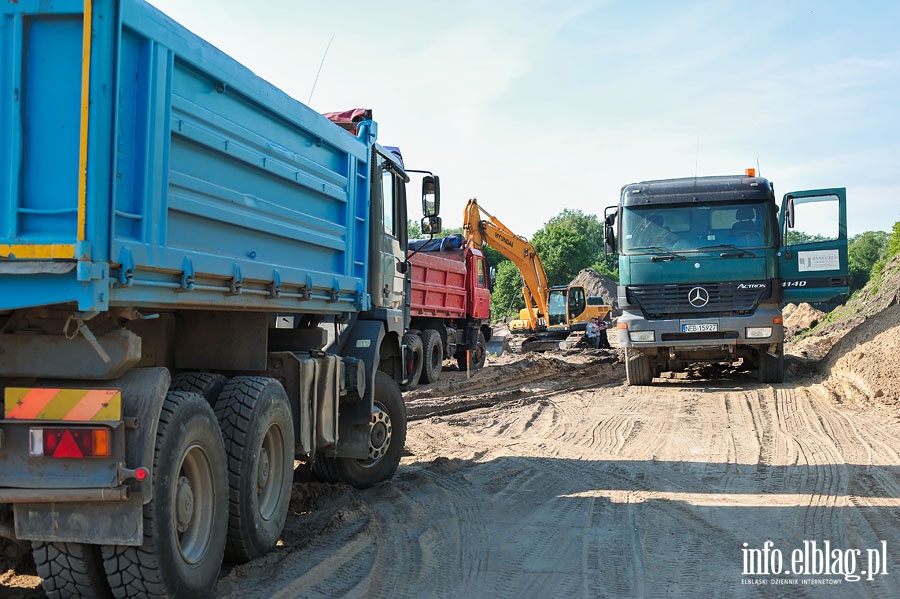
<point x="450" y="308"/>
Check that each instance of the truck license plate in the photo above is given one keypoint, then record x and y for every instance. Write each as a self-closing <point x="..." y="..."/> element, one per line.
<point x="705" y="327"/>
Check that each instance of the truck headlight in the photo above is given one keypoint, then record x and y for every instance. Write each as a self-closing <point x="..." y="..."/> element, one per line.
<point x="642" y="335"/>
<point x="758" y="332"/>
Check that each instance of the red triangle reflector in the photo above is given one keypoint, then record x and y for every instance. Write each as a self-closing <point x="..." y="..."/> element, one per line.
<point x="67" y="447"/>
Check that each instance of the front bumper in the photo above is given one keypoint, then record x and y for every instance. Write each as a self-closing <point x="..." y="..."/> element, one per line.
<point x="729" y="330"/>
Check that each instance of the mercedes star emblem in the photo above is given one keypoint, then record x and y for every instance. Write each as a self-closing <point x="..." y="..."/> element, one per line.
<point x="698" y="297"/>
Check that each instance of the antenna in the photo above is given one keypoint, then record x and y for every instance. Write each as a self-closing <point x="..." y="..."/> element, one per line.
<point x="321" y="64"/>
<point x="758" y="170"/>
<point x="697" y="159"/>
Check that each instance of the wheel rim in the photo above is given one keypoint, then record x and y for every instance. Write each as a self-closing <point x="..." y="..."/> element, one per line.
<point x="479" y="354"/>
<point x="194" y="504"/>
<point x="380" y="431"/>
<point x="270" y="473"/>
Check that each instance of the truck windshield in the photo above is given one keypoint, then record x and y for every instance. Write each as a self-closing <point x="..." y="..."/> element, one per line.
<point x="689" y="227"/>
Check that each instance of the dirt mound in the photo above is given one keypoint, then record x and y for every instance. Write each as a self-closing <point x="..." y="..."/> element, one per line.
<point x="596" y="284"/>
<point x="878" y="295"/>
<point x="513" y="377"/>
<point x="800" y="318"/>
<point x="862" y="341"/>
<point x="863" y="365"/>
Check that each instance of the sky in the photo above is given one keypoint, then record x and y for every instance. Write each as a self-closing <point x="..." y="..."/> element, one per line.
<point x="537" y="106"/>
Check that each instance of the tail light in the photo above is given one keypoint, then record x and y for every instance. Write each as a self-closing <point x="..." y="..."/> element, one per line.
<point x="70" y="442"/>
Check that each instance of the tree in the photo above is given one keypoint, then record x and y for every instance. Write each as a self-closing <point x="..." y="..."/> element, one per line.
<point x="893" y="247"/>
<point x="568" y="243"/>
<point x="608" y="266"/>
<point x="506" y="298"/>
<point x="413" y="229"/>
<point x="795" y="237"/>
<point x="863" y="253"/>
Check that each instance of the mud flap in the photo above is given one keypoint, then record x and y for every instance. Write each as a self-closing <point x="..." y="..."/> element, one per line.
<point x="363" y="343"/>
<point x="96" y="523"/>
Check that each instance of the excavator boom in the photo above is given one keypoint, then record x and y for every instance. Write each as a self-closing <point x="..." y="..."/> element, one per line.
<point x="519" y="251"/>
<point x="569" y="310"/>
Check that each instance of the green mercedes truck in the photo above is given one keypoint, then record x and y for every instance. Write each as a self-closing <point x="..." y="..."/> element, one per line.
<point x="706" y="264"/>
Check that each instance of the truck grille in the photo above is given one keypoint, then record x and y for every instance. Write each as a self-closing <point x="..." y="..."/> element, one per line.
<point x="729" y="298"/>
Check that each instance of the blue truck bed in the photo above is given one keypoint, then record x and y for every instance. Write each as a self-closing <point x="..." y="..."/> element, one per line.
<point x="162" y="173"/>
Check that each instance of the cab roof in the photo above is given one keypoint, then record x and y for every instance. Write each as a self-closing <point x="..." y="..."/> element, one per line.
<point x="729" y="188"/>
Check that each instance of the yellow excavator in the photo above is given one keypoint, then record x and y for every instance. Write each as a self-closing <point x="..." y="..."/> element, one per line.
<point x="551" y="314"/>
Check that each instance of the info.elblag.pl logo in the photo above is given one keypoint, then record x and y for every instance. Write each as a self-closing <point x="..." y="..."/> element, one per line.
<point x="813" y="559"/>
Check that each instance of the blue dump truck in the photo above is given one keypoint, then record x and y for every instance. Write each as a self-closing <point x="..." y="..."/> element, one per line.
<point x="202" y="280"/>
<point x="706" y="264"/>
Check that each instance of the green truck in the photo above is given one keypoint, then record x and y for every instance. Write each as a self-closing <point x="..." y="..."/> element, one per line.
<point x="706" y="263"/>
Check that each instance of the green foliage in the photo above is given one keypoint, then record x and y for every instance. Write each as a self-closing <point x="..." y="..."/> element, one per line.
<point x="864" y="252"/>
<point x="608" y="266"/>
<point x="797" y="237"/>
<point x="413" y="229"/>
<point x="506" y="298"/>
<point x="568" y="243"/>
<point x="893" y="247"/>
<point x="493" y="257"/>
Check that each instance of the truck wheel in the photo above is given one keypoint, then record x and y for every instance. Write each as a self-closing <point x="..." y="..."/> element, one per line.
<point x="258" y="431"/>
<point x="478" y="355"/>
<point x="433" y="351"/>
<point x="207" y="384"/>
<point x="387" y="436"/>
<point x="637" y="368"/>
<point x="414" y="360"/>
<point x="71" y="570"/>
<point x="186" y="522"/>
<point x="771" y="368"/>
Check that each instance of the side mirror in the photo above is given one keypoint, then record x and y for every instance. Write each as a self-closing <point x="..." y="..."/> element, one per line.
<point x="431" y="197"/>
<point x="431" y="225"/>
<point x="789" y="213"/>
<point x="609" y="224"/>
<point x="609" y="242"/>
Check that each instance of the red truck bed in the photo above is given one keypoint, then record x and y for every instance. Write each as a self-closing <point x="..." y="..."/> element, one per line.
<point x="438" y="284"/>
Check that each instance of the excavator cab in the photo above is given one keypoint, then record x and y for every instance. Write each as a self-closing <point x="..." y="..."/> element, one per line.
<point x="566" y="304"/>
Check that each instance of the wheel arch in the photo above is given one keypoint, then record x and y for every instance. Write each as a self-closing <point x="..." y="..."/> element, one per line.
<point x="368" y="342"/>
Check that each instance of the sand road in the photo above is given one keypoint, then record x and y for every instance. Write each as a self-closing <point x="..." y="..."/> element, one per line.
<point x="559" y="481"/>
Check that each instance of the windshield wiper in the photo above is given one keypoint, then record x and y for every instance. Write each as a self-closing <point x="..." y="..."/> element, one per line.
<point x="666" y="254"/>
<point x="739" y="252"/>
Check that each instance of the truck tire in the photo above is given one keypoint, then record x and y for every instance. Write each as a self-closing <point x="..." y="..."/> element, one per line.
<point x="771" y="368"/>
<point x="207" y="384"/>
<point x="185" y="524"/>
<point x="71" y="570"/>
<point x="637" y="367"/>
<point x="433" y="353"/>
<point x="414" y="360"/>
<point x="258" y="432"/>
<point x="478" y="355"/>
<point x="386" y="440"/>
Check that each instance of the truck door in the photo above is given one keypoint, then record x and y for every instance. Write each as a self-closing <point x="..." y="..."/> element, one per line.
<point x="812" y="259"/>
<point x="389" y="209"/>
<point x="480" y="295"/>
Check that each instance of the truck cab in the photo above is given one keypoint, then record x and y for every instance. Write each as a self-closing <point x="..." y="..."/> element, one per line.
<point x="706" y="264"/>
